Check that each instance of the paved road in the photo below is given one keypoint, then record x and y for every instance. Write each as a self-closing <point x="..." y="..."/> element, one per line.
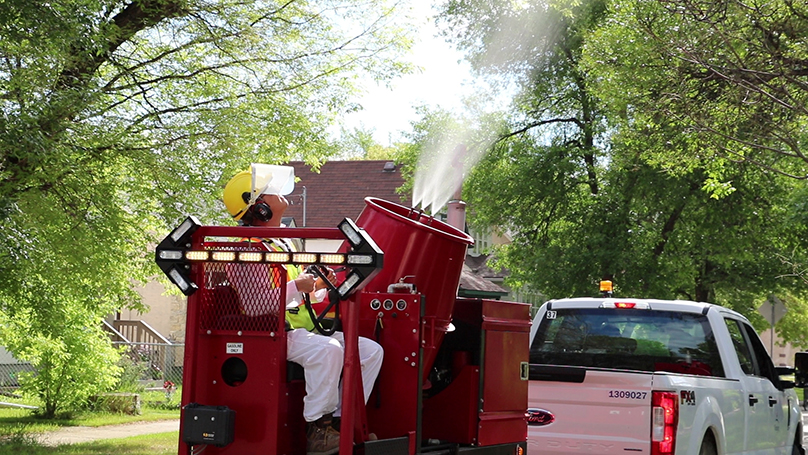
<point x="72" y="435"/>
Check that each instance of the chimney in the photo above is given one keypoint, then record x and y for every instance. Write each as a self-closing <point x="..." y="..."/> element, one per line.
<point x="456" y="208"/>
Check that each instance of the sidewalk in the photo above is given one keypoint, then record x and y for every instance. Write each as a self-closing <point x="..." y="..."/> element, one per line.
<point x="74" y="435"/>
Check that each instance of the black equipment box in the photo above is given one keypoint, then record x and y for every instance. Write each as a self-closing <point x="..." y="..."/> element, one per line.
<point x="213" y="425"/>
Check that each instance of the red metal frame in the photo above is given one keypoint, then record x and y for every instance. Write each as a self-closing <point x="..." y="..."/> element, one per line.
<point x="394" y="407"/>
<point x="265" y="403"/>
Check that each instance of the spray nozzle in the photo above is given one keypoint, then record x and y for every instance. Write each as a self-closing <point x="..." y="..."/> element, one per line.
<point x="415" y="214"/>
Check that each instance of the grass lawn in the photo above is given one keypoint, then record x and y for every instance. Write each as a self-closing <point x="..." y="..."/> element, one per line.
<point x="16" y="423"/>
<point x="153" y="444"/>
<point x="20" y="421"/>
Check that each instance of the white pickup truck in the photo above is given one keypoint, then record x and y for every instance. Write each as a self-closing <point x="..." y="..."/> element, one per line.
<point x="633" y="376"/>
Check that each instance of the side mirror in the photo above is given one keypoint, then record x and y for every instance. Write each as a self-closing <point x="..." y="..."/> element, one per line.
<point x="801" y="369"/>
<point x="785" y="371"/>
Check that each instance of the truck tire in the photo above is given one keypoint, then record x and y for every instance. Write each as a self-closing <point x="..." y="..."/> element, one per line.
<point x="797" y="449"/>
<point x="708" y="446"/>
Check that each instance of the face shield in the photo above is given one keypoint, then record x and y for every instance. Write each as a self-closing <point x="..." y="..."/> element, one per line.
<point x="271" y="179"/>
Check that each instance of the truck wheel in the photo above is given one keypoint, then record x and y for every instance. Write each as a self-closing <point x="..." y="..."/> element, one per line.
<point x="708" y="446"/>
<point x="797" y="449"/>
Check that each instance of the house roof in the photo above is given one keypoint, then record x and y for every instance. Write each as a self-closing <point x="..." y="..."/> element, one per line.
<point x="475" y="284"/>
<point x="479" y="265"/>
<point x="339" y="190"/>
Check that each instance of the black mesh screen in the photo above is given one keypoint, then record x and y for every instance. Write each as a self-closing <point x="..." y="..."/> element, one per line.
<point x="243" y="297"/>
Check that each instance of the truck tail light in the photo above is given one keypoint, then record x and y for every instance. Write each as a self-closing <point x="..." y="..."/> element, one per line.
<point x="625" y="305"/>
<point x="664" y="420"/>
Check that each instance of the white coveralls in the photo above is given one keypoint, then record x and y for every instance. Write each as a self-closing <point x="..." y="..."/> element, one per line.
<point x="321" y="359"/>
<point x="320" y="356"/>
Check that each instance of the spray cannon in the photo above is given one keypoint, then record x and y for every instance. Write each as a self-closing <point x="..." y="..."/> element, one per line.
<point x="454" y="375"/>
<point x="423" y="251"/>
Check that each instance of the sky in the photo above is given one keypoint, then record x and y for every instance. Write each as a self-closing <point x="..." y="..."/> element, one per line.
<point x="442" y="81"/>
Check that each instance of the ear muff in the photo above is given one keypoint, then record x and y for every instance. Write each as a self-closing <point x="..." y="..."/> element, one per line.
<point x="259" y="211"/>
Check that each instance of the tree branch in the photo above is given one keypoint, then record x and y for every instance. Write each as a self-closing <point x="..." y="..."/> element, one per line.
<point x="137" y="16"/>
<point x="538" y="124"/>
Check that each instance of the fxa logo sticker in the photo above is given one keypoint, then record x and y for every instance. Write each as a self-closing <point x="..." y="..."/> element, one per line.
<point x="688" y="397"/>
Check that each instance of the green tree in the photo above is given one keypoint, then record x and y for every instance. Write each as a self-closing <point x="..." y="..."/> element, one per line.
<point x="590" y="189"/>
<point x="655" y="234"/>
<point x="73" y="358"/>
<point x="360" y="144"/>
<point x="538" y="48"/>
<point x="732" y="74"/>
<point x="118" y="118"/>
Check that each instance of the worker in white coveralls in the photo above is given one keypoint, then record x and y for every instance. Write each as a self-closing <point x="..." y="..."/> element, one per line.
<point x="256" y="198"/>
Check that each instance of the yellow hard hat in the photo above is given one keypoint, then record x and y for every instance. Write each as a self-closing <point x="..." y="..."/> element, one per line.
<point x="234" y="194"/>
<point x="245" y="187"/>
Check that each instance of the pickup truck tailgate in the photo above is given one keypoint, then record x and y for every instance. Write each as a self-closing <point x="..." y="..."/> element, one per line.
<point x="609" y="413"/>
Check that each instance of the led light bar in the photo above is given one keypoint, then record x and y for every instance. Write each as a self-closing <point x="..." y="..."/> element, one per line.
<point x="188" y="226"/>
<point x="349" y="284"/>
<point x="361" y="259"/>
<point x="170" y="255"/>
<point x="332" y="258"/>
<point x="197" y="255"/>
<point x="282" y="258"/>
<point x="223" y="256"/>
<point x="270" y="257"/>
<point x="250" y="256"/>
<point x="304" y="258"/>
<point x="184" y="249"/>
<point x="351" y="232"/>
<point x="181" y="282"/>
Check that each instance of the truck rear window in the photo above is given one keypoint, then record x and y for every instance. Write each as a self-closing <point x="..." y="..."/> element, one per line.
<point x="630" y="339"/>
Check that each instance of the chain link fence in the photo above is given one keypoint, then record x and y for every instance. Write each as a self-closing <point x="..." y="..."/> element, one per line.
<point x="9" y="373"/>
<point x="153" y="362"/>
<point x="146" y="363"/>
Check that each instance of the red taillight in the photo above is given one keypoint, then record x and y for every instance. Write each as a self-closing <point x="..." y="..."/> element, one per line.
<point x="664" y="419"/>
<point x="625" y="305"/>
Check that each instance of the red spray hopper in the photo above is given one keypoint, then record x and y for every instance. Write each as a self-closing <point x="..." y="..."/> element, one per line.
<point x="421" y="250"/>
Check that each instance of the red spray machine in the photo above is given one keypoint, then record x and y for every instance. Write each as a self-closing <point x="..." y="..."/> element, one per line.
<point x="454" y="376"/>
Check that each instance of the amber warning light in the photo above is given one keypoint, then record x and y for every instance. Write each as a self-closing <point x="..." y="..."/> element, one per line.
<point x="606" y="288"/>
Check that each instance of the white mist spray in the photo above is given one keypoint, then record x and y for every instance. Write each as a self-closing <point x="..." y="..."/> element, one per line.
<point x="445" y="163"/>
<point x="440" y="173"/>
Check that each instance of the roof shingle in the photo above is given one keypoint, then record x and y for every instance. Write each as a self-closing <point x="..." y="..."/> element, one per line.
<point x="339" y="190"/>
